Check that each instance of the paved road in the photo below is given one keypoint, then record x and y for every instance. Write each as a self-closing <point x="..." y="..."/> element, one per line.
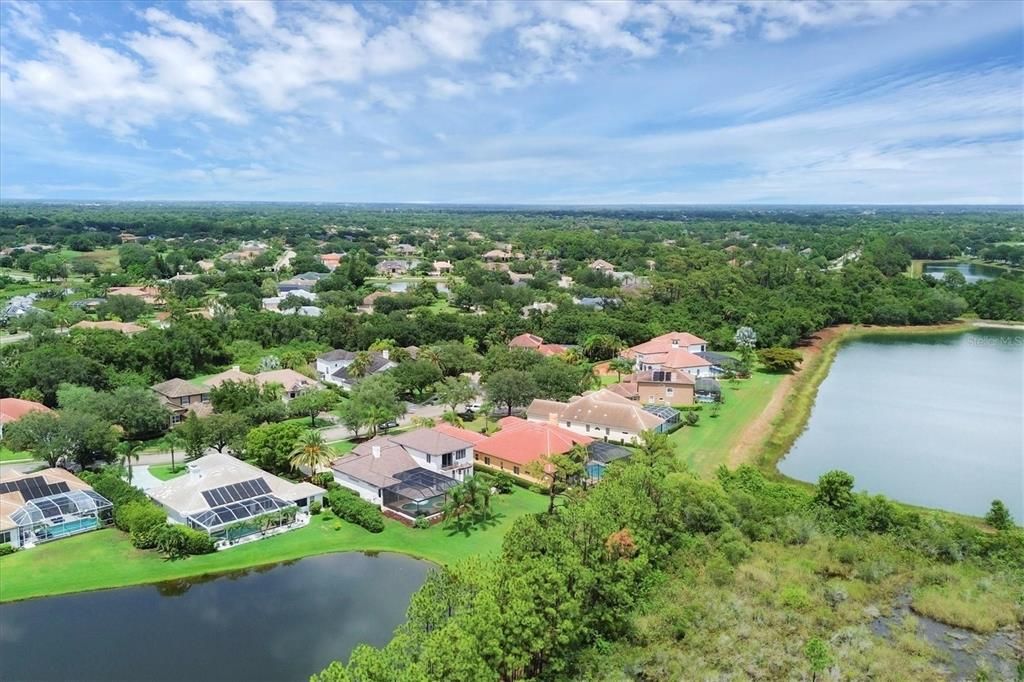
<point x="334" y="433"/>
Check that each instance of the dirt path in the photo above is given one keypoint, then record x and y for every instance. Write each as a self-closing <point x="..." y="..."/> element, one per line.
<point x="757" y="431"/>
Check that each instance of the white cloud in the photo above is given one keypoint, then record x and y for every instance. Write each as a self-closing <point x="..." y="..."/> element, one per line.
<point x="445" y="88"/>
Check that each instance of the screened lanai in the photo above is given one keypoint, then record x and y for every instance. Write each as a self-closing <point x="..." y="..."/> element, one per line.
<point x="55" y="516"/>
<point x="244" y="517"/>
<point x="419" y="492"/>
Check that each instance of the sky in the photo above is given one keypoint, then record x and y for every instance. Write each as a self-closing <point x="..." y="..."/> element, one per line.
<point x="660" y="102"/>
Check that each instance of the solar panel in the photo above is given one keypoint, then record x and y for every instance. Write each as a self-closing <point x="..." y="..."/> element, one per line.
<point x="34" y="487"/>
<point x="226" y="494"/>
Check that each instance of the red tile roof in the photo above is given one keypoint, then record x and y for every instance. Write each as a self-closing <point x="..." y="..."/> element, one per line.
<point x="462" y="434"/>
<point x="526" y="340"/>
<point x="523" y="442"/>
<point x="663" y="343"/>
<point x="13" y="409"/>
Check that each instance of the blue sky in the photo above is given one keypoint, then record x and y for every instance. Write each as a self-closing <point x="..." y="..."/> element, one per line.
<point x="599" y="103"/>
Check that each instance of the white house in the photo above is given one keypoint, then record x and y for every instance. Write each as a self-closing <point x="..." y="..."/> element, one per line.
<point x="332" y="366"/>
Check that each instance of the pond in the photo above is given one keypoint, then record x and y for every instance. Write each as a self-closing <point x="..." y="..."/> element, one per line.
<point x="933" y="420"/>
<point x="278" y="622"/>
<point x="972" y="272"/>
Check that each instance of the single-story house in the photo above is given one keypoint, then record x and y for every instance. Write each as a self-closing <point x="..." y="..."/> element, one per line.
<point x="332" y="366"/>
<point x="20" y="306"/>
<point x="331" y="261"/>
<point x="602" y="265"/>
<point x="405" y="249"/>
<point x="292" y="383"/>
<point x="371" y="299"/>
<point x="234" y="374"/>
<point x="440" y="267"/>
<point x="541" y="307"/>
<point x="228" y="499"/>
<point x="520" y="443"/>
<point x="48" y="505"/>
<point x="497" y="255"/>
<point x="657" y="387"/>
<point x="406" y="474"/>
<point x="595" y="302"/>
<point x="304" y="282"/>
<point x="536" y="343"/>
<point x="88" y="303"/>
<point x="273" y="303"/>
<point x="395" y="267"/>
<point x="181" y="397"/>
<point x="128" y="328"/>
<point x="13" y="409"/>
<point x="602" y="414"/>
<point x="150" y="295"/>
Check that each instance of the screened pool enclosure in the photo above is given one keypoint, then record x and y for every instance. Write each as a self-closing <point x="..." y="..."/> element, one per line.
<point x="60" y="514"/>
<point x="244" y="517"/>
<point x="419" y="492"/>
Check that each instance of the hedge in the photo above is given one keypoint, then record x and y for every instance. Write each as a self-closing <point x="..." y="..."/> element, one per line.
<point x="349" y="506"/>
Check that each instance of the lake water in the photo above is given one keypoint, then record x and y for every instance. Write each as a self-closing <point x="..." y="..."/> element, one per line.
<point x="933" y="420"/>
<point x="972" y="272"/>
<point x="279" y="622"/>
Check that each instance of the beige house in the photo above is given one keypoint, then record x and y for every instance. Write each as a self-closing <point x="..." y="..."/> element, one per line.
<point x="657" y="387"/>
<point x="292" y="383"/>
<point x="128" y="328"/>
<point x="181" y="397"/>
<point x="602" y="414"/>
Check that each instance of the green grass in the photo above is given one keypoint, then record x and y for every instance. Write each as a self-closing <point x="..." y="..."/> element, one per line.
<point x="7" y="455"/>
<point x="342" y="446"/>
<point x="707" y="445"/>
<point x="165" y="473"/>
<point x="105" y="559"/>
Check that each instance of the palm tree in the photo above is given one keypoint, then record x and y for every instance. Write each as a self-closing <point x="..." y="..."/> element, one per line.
<point x="620" y="366"/>
<point x="311" y="452"/>
<point x="431" y="355"/>
<point x="128" y="451"/>
<point x="360" y="364"/>
<point x="173" y="440"/>
<point x="452" y="417"/>
<point x="424" y="422"/>
<point x="573" y="356"/>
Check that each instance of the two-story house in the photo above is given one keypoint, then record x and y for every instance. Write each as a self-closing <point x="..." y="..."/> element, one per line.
<point x="406" y="474"/>
<point x="181" y="397"/>
<point x="334" y="367"/>
<point x="672" y="351"/>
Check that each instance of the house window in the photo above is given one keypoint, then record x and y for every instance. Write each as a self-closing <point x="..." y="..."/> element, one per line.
<point x="185" y="400"/>
<point x="460" y="454"/>
<point x="5" y="537"/>
<point x="568" y="425"/>
<point x="177" y="419"/>
<point x="446" y="460"/>
<point x="515" y="470"/>
<point x="607" y="431"/>
<point x="668" y="391"/>
<point x="428" y="459"/>
<point x="487" y="460"/>
<point x="588" y="428"/>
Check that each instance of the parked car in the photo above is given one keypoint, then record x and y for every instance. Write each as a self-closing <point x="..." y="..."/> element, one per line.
<point x="385" y="426"/>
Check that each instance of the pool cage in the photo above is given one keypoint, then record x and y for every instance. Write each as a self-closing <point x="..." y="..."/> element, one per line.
<point x="242" y="518"/>
<point x="600" y="455"/>
<point x="419" y="492"/>
<point x="56" y="516"/>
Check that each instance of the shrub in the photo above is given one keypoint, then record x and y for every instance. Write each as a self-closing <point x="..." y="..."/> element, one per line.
<point x="323" y="479"/>
<point x="502" y="482"/>
<point x="197" y="542"/>
<point x="6" y="549"/>
<point x="835" y="595"/>
<point x="145" y="538"/>
<point x="315" y="508"/>
<point x="421" y="523"/>
<point x="349" y="506"/>
<point x="793" y="529"/>
<point x="139" y="516"/>
<point x="794" y="597"/>
<point x="692" y="418"/>
<point x="172" y="541"/>
<point x="720" y="571"/>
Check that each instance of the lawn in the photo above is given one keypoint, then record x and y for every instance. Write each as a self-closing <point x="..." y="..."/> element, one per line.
<point x="7" y="455"/>
<point x="106" y="559"/>
<point x="342" y="446"/>
<point x="164" y="471"/>
<point x="706" y="446"/>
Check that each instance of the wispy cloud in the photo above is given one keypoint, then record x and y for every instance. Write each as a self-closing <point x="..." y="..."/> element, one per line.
<point x="685" y="100"/>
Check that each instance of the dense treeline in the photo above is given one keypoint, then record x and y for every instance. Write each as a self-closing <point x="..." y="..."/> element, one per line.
<point x="569" y="584"/>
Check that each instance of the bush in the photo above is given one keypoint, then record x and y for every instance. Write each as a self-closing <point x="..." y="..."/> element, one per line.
<point x="315" y="508"/>
<point x="145" y="538"/>
<point x="421" y="523"/>
<point x="6" y="549"/>
<point x="720" y="571"/>
<point x="139" y="516"/>
<point x="794" y="597"/>
<point x="323" y="479"/>
<point x="197" y="542"/>
<point x="349" y="506"/>
<point x="111" y="486"/>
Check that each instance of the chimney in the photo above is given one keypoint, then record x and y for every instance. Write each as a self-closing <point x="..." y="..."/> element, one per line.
<point x="194" y="470"/>
<point x="553" y="418"/>
<point x="376" y="451"/>
<point x="675" y="343"/>
<point x="386" y="353"/>
<point x="237" y="368"/>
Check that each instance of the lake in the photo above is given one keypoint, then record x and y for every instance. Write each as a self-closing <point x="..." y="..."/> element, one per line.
<point x="972" y="272"/>
<point x="278" y="622"/>
<point x="933" y="420"/>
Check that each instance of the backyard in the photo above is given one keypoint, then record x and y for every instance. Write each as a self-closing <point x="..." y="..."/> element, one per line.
<point x="707" y="445"/>
<point x="106" y="558"/>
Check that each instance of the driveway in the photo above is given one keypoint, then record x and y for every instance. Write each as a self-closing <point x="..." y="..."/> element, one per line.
<point x="143" y="480"/>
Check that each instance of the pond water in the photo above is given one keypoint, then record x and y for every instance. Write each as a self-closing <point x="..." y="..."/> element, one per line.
<point x="399" y="287"/>
<point x="933" y="420"/>
<point x="972" y="272"/>
<point x="278" y="622"/>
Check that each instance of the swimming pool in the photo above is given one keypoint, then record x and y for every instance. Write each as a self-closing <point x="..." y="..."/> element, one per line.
<point x="59" y="530"/>
<point x="595" y="470"/>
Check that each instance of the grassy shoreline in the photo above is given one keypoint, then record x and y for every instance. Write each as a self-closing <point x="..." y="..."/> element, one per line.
<point x="105" y="559"/>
